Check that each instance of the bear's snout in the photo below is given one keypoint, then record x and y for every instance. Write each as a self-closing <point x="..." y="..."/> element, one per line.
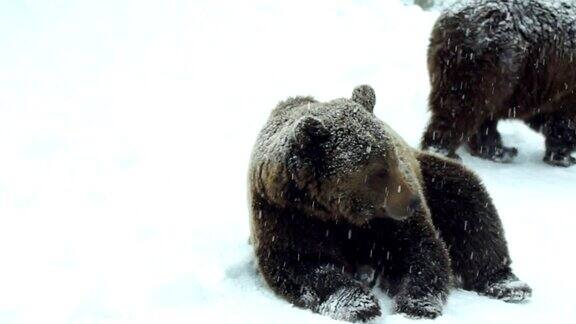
<point x="402" y="212"/>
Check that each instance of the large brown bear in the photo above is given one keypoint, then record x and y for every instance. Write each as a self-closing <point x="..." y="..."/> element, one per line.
<point x="338" y="200"/>
<point x="498" y="59"/>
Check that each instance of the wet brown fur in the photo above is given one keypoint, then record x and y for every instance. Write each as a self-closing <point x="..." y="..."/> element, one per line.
<point x="474" y="85"/>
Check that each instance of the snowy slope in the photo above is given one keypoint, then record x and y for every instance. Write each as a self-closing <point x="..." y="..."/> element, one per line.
<point x="125" y="132"/>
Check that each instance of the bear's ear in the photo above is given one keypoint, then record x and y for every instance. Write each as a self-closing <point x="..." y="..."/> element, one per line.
<point x="365" y="96"/>
<point x="306" y="152"/>
<point x="309" y="131"/>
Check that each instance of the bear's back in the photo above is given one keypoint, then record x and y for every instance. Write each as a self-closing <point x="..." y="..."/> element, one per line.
<point x="505" y="25"/>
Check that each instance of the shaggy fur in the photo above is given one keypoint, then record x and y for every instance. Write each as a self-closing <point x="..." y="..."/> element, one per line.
<point x="503" y="59"/>
<point x="339" y="200"/>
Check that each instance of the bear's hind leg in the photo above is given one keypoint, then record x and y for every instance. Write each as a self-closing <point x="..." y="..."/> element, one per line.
<point x="466" y="88"/>
<point x="463" y="213"/>
<point x="445" y="133"/>
<point x="487" y="144"/>
<point x="560" y="133"/>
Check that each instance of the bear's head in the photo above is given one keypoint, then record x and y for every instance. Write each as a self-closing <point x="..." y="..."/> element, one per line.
<point x="350" y="165"/>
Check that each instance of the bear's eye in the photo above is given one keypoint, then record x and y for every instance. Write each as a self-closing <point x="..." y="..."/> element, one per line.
<point x="378" y="179"/>
<point x="381" y="174"/>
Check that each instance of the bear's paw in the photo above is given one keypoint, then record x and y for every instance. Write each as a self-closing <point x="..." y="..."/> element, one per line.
<point x="561" y="159"/>
<point x="419" y="307"/>
<point x="509" y="290"/>
<point x="351" y="304"/>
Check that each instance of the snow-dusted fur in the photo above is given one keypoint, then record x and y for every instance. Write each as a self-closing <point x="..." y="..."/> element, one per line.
<point x="349" y="304"/>
<point x="335" y="193"/>
<point x="497" y="59"/>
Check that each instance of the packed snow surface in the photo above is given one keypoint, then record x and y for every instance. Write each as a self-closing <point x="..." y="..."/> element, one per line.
<point x="125" y="133"/>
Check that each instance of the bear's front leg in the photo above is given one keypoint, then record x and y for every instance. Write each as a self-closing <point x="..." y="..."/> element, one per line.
<point x="423" y="273"/>
<point x="325" y="288"/>
<point x="301" y="260"/>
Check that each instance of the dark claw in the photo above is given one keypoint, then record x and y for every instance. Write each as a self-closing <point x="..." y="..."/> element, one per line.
<point x="559" y="159"/>
<point x="510" y="290"/>
<point x="500" y="154"/>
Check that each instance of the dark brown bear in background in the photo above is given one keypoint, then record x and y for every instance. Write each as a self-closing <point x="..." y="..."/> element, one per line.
<point x="338" y="201"/>
<point x="503" y="59"/>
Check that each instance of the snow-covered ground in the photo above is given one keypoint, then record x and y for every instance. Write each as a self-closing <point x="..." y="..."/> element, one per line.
<point x="125" y="132"/>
